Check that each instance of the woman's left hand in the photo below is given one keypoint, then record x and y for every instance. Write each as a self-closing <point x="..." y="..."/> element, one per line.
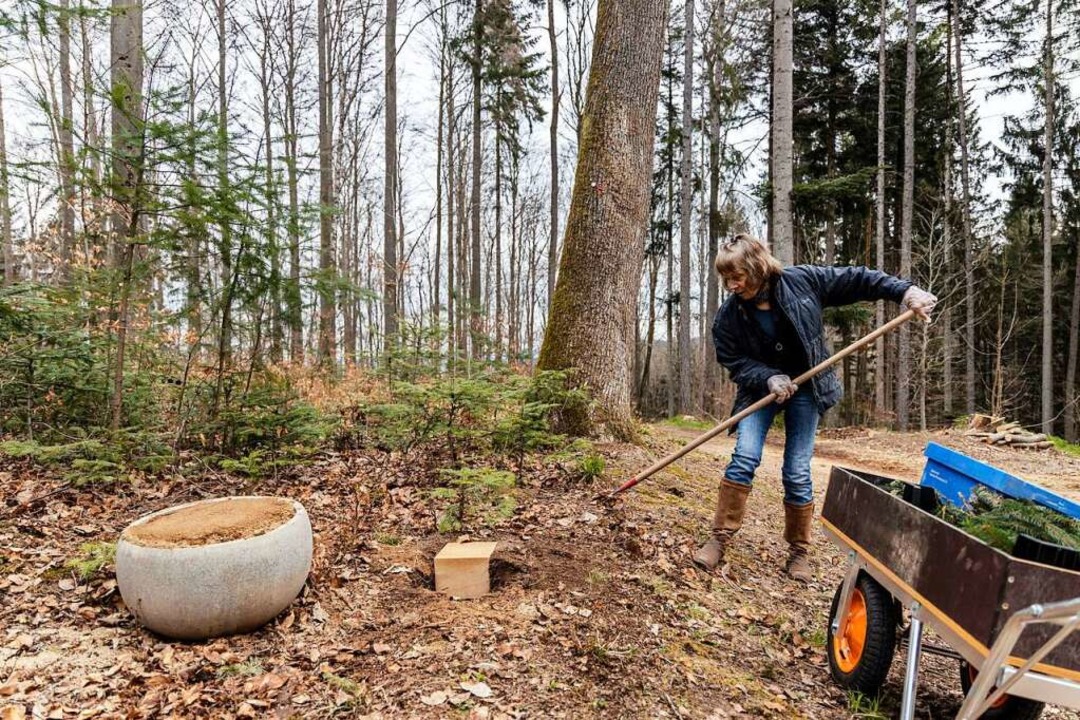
<point x="920" y="301"/>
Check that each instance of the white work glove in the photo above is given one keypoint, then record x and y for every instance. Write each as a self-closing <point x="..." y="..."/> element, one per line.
<point x="782" y="387"/>
<point x="920" y="301"/>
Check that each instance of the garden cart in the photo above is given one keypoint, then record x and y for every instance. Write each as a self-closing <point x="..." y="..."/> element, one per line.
<point x="1007" y="619"/>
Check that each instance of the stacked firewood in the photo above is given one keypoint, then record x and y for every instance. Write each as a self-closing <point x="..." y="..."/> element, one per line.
<point x="996" y="430"/>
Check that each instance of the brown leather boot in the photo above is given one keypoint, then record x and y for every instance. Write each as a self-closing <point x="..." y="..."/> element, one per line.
<point x="730" y="508"/>
<point x="798" y="522"/>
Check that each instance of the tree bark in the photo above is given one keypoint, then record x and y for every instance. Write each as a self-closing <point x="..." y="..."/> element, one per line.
<point x="126" y="94"/>
<point x="11" y="273"/>
<point x="879" y="213"/>
<point x="292" y="138"/>
<point x="591" y="326"/>
<point x="67" y="146"/>
<point x="781" y="132"/>
<point x="225" y="229"/>
<point x="475" y="326"/>
<point x="686" y="213"/>
<point x="903" y="370"/>
<point x="553" y="133"/>
<point x="390" y="184"/>
<point x="966" y="225"/>
<point x="1048" y="229"/>
<point x="327" y="299"/>
<point x="1074" y="341"/>
<point x="712" y="295"/>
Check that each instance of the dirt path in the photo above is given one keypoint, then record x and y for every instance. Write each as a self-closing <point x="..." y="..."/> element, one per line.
<point x="597" y="611"/>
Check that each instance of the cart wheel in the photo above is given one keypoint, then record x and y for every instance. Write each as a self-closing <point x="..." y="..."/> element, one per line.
<point x="859" y="659"/>
<point x="1006" y="707"/>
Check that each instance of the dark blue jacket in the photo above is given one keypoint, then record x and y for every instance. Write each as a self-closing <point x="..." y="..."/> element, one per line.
<point x="800" y="292"/>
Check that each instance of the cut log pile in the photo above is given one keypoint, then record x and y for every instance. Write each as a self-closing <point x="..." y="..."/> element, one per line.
<point x="995" y="430"/>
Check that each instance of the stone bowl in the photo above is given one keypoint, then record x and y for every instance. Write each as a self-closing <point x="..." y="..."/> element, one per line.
<point x="223" y="578"/>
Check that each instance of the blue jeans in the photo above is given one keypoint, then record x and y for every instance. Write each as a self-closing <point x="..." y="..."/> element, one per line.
<point x="800" y="423"/>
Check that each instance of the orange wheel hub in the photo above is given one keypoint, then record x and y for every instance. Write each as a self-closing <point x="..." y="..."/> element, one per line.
<point x="848" y="644"/>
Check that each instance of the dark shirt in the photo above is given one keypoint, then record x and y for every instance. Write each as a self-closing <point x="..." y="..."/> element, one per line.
<point x="779" y="341"/>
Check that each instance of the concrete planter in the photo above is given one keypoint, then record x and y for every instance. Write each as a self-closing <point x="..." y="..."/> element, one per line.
<point x="201" y="591"/>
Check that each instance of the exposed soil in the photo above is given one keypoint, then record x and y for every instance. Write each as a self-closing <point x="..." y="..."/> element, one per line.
<point x="207" y="523"/>
<point x="596" y="609"/>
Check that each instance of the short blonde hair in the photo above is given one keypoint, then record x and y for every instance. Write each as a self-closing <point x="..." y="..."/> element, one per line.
<point x="747" y="254"/>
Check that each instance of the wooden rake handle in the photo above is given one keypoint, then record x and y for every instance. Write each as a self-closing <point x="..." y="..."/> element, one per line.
<point x="763" y="402"/>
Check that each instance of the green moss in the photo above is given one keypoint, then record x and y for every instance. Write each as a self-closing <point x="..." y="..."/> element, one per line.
<point x="1065" y="446"/>
<point x="93" y="558"/>
<point x="249" y="668"/>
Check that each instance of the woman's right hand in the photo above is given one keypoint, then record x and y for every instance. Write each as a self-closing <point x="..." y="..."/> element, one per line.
<point x="782" y="387"/>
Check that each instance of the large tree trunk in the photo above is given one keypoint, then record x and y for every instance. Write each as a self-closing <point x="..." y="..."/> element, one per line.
<point x="903" y="370"/>
<point x="591" y="327"/>
<point x="390" y="184"/>
<point x="880" y="391"/>
<point x="553" y="133"/>
<point x="686" y="211"/>
<point x="6" y="242"/>
<point x="1048" y="229"/>
<point x="126" y="95"/>
<point x="782" y="118"/>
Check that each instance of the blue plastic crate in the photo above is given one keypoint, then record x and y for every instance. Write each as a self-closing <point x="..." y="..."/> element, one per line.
<point x="954" y="475"/>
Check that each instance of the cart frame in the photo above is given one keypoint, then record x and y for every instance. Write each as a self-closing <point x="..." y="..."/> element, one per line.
<point x="993" y="663"/>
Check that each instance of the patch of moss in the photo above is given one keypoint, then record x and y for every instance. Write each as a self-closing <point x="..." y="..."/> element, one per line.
<point x="92" y="559"/>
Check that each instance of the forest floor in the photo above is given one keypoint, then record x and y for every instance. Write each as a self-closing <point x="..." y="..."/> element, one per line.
<point x="596" y="609"/>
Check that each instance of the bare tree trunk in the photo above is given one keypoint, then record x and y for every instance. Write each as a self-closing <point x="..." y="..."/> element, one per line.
<point x="947" y="229"/>
<point x="685" y="375"/>
<point x="126" y="94"/>
<point x="437" y="270"/>
<point x="270" y="195"/>
<point x="225" y="248"/>
<point x="591" y="327"/>
<point x="903" y="370"/>
<point x="67" y="146"/>
<point x="11" y="273"/>
<point x="879" y="213"/>
<point x="390" y="185"/>
<point x="1048" y="229"/>
<point x="782" y="119"/>
<point x="650" y="332"/>
<point x="965" y="210"/>
<point x="451" y="245"/>
<point x="327" y="309"/>
<point x="475" y="326"/>
<point x="553" y="133"/>
<point x="496" y="259"/>
<point x="712" y="302"/>
<point x="1074" y="340"/>
<point x="292" y="137"/>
